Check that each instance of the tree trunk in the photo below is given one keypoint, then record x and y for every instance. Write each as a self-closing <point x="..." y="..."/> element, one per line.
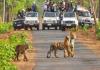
<point x="93" y="5"/>
<point x="99" y="10"/>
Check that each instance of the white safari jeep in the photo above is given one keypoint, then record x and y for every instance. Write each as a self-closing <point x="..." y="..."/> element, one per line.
<point x="69" y="20"/>
<point x="31" y="20"/>
<point x="50" y="19"/>
<point x="84" y="16"/>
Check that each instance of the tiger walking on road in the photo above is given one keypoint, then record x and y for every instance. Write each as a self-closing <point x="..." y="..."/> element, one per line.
<point x="67" y="46"/>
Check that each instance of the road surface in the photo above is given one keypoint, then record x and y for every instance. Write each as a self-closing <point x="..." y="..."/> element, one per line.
<point x="84" y="58"/>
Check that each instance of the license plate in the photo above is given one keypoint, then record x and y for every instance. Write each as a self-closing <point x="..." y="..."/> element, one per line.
<point x="19" y="25"/>
<point x="68" y="24"/>
<point x="31" y="24"/>
<point x="49" y="24"/>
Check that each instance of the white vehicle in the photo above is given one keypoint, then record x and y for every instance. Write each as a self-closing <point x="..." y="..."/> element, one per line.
<point x="31" y="20"/>
<point x="84" y="16"/>
<point x="69" y="20"/>
<point x="50" y="19"/>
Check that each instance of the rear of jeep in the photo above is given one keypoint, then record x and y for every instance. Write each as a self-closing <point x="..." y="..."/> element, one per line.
<point x="31" y="20"/>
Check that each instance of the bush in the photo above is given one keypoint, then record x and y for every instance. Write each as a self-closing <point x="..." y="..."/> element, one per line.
<point x="98" y="31"/>
<point x="7" y="50"/>
<point x="6" y="54"/>
<point x="5" y="27"/>
<point x="85" y="28"/>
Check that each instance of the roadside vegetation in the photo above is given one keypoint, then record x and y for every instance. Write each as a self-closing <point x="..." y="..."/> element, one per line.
<point x="5" y="27"/>
<point x="86" y="30"/>
<point x="8" y="41"/>
<point x="98" y="31"/>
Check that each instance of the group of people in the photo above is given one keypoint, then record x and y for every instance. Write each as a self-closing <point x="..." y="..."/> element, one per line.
<point x="21" y="13"/>
<point x="51" y="6"/>
<point x="32" y="8"/>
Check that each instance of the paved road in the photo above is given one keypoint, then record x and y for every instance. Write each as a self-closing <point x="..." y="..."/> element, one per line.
<point x="85" y="59"/>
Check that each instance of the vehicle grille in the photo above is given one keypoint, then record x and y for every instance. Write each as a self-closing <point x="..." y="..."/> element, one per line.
<point x="69" y="21"/>
<point x="30" y="22"/>
<point x="50" y="22"/>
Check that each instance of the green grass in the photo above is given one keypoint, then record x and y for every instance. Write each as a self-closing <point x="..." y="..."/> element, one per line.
<point x="7" y="50"/>
<point x="98" y="30"/>
<point x="5" y="27"/>
<point x="7" y="46"/>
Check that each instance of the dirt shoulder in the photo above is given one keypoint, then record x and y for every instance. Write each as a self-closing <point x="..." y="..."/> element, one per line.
<point x="89" y="40"/>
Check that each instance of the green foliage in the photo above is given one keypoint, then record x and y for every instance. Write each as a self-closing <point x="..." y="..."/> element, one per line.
<point x="5" y="27"/>
<point x="6" y="54"/>
<point x="85" y="28"/>
<point x="39" y="4"/>
<point x="98" y="31"/>
<point x="7" y="50"/>
<point x="7" y="46"/>
<point x="18" y="38"/>
<point x="1" y="9"/>
<point x="16" y="5"/>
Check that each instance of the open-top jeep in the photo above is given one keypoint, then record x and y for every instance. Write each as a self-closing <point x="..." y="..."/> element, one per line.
<point x="18" y="24"/>
<point x="50" y="19"/>
<point x="69" y="20"/>
<point x="31" y="20"/>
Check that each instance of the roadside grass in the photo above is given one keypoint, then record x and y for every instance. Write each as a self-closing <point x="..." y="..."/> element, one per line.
<point x="98" y="31"/>
<point x="8" y="41"/>
<point x="5" y="27"/>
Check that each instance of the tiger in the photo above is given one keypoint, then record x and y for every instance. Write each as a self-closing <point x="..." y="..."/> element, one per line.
<point x="72" y="35"/>
<point x="67" y="46"/>
<point x="58" y="46"/>
<point x="21" y="49"/>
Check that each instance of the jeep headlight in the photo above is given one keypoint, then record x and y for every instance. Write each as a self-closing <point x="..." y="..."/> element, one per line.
<point x="27" y="22"/>
<point x="62" y="22"/>
<point x="35" y="21"/>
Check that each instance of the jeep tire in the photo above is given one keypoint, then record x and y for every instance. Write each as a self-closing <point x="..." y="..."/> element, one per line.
<point x="15" y="29"/>
<point x="26" y="28"/>
<point x="48" y="28"/>
<point x="55" y="27"/>
<point x="63" y="28"/>
<point x="43" y="28"/>
<point x="37" y="28"/>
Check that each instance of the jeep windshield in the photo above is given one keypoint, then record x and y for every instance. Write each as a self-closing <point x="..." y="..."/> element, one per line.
<point x="84" y="13"/>
<point x="69" y="14"/>
<point x="50" y="14"/>
<point x="31" y="14"/>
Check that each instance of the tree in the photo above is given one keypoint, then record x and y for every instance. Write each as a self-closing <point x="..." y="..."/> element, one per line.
<point x="99" y="10"/>
<point x="12" y="7"/>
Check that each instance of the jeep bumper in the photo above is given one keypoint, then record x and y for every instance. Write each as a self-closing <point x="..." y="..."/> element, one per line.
<point x="50" y="25"/>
